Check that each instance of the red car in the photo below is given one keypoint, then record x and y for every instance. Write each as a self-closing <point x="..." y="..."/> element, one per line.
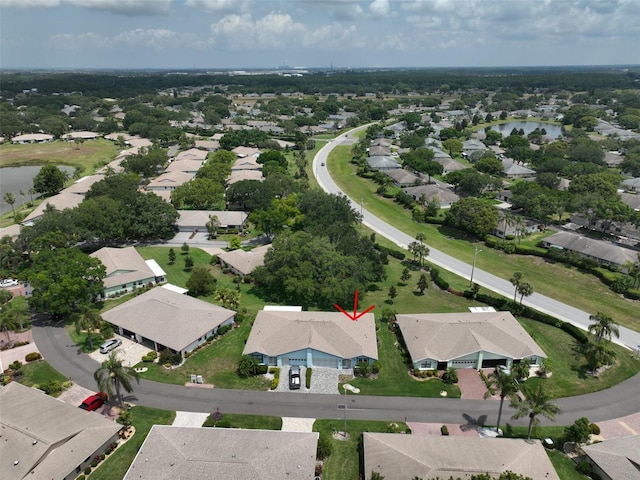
<point x="94" y="402"/>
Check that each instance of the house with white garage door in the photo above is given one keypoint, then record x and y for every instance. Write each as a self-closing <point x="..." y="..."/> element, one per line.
<point x="312" y="339"/>
<point x="437" y="341"/>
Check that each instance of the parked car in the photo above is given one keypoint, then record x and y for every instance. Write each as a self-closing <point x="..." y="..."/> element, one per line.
<point x="294" y="378"/>
<point x="9" y="282"/>
<point x="503" y="369"/>
<point x="94" y="402"/>
<point x="109" y="345"/>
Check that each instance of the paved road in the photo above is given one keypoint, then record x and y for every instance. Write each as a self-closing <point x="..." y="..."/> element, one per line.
<point x="56" y="347"/>
<point x="628" y="338"/>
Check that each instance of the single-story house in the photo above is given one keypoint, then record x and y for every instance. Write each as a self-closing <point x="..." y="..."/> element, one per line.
<point x="513" y="170"/>
<point x="402" y="457"/>
<point x="193" y="154"/>
<point x="225" y="453"/>
<point x="61" y="201"/>
<point x="383" y="142"/>
<point x="210" y="145"/>
<point x="170" y="180"/>
<point x="71" y="136"/>
<point x="382" y="163"/>
<point x="631" y="199"/>
<point x="379" y="151"/>
<point x="506" y="228"/>
<point x="161" y="318"/>
<point x="473" y="145"/>
<point x="32" y="138"/>
<point x="437" y="341"/>
<point x="403" y="178"/>
<point x="244" y="152"/>
<point x="312" y="339"/>
<point x="246" y="163"/>
<point x="196" y="220"/>
<point x="243" y="262"/>
<point x="190" y="166"/>
<point x="603" y="252"/>
<point x="444" y="159"/>
<point x="82" y="185"/>
<point x="127" y="270"/>
<point x="445" y="196"/>
<point x="632" y="184"/>
<point x="240" y="175"/>
<point x="615" y="459"/>
<point x="45" y="438"/>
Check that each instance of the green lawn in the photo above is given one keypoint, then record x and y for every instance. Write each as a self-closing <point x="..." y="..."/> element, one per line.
<point x="40" y="373"/>
<point x="565" y="284"/>
<point x="257" y="422"/>
<point x="116" y="465"/>
<point x="344" y="461"/>
<point x="81" y="339"/>
<point x="565" y="467"/>
<point x="393" y="378"/>
<point x="569" y="372"/>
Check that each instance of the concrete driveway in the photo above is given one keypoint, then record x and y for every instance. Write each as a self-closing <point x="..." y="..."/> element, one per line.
<point x="129" y="352"/>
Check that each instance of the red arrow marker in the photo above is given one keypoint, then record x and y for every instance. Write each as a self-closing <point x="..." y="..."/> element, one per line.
<point x="355" y="315"/>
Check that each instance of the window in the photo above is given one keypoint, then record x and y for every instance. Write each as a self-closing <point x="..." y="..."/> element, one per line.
<point x="426" y="364"/>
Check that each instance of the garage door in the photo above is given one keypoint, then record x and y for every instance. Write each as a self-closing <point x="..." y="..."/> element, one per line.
<point x="325" y="362"/>
<point x="464" y="363"/>
<point x="290" y="361"/>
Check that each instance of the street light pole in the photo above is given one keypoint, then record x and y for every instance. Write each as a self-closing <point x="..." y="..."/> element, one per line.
<point x="473" y="266"/>
<point x="353" y="389"/>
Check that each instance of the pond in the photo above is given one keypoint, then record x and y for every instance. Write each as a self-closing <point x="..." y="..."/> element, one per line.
<point x="553" y="130"/>
<point x="17" y="179"/>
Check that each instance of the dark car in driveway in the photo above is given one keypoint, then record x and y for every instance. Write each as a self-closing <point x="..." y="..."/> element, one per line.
<point x="294" y="378"/>
<point x="94" y="402"/>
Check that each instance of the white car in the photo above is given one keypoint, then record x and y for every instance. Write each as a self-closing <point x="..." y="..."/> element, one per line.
<point x="8" y="283"/>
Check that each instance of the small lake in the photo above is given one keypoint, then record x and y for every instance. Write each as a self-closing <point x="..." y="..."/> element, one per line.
<point x="16" y="179"/>
<point x="553" y="131"/>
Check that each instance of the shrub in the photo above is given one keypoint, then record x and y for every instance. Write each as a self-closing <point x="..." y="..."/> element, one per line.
<point x="15" y="365"/>
<point x="509" y="248"/>
<point x="276" y="377"/>
<point x="444" y="430"/>
<point x="165" y="356"/>
<point x="376" y="367"/>
<point x="578" y="432"/>
<point x="224" y="329"/>
<point x="32" y="357"/>
<point x="362" y="369"/>
<point x="53" y="387"/>
<point x="261" y="369"/>
<point x="307" y="375"/>
<point x="584" y="467"/>
<point x="324" y="447"/>
<point x="87" y="470"/>
<point x="247" y="366"/>
<point x="438" y="280"/>
<point x="450" y="375"/>
<point x="594" y="429"/>
<point x="106" y="331"/>
<point x="94" y="464"/>
<point x="80" y="477"/>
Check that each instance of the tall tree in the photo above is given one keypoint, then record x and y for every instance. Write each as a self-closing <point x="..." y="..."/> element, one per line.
<point x="87" y="318"/>
<point x="516" y="280"/>
<point x="423" y="283"/>
<point x="535" y="403"/>
<point x="506" y="385"/>
<point x="10" y="199"/>
<point x="112" y="376"/>
<point x="49" y="180"/>
<point x="524" y="289"/>
<point x="603" y="326"/>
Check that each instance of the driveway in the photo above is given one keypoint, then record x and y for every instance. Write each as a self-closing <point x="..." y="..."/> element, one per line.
<point x="471" y="385"/>
<point x="323" y="380"/>
<point x="129" y="352"/>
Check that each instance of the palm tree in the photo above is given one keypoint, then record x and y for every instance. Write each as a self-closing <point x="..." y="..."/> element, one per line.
<point x="598" y="354"/>
<point x="506" y="384"/>
<point x="413" y="249"/>
<point x="515" y="280"/>
<point x="7" y="322"/>
<point x="18" y="309"/>
<point x="603" y="326"/>
<point x="112" y="375"/>
<point x="524" y="289"/>
<point x="10" y="199"/>
<point x="535" y="403"/>
<point x="87" y="319"/>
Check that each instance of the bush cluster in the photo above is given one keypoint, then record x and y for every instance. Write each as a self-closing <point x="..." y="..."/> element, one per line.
<point x="307" y="375"/>
<point x="438" y="280"/>
<point x="444" y="430"/>
<point x="32" y="357"/>
<point x="276" y="377"/>
<point x="390" y="251"/>
<point x="150" y="357"/>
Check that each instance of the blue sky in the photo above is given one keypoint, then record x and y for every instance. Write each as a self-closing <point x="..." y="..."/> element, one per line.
<point x="210" y="34"/>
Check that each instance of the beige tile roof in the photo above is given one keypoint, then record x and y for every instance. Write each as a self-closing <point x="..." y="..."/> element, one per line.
<point x="170" y="180"/>
<point x="61" y="201"/>
<point x="200" y="218"/>
<point x="402" y="457"/>
<point x="243" y="152"/>
<point x="65" y="435"/>
<point x="123" y="265"/>
<point x="446" y="336"/>
<point x="32" y="137"/>
<point x="591" y="247"/>
<point x="243" y="261"/>
<point x="430" y="191"/>
<point x="618" y="458"/>
<point x="83" y="135"/>
<point x="169" y="318"/>
<point x="193" y="154"/>
<point x="184" y="165"/>
<point x="208" y="144"/>
<point x="240" y="175"/>
<point x="83" y="185"/>
<point x="223" y="453"/>
<point x="246" y="163"/>
<point x="276" y="333"/>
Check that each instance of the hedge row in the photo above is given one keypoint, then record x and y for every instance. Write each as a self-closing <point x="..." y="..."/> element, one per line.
<point x="438" y="280"/>
<point x="500" y="303"/>
<point x="390" y="251"/>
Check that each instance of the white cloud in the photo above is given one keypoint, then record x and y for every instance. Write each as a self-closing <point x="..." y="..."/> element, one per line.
<point x="129" y="7"/>
<point x="157" y="39"/>
<point x="275" y="30"/>
<point x="334" y="36"/>
<point x="29" y="3"/>
<point x="380" y="8"/>
<point x="220" y="6"/>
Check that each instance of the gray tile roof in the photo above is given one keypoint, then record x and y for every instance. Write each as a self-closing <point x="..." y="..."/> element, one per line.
<point x="123" y="265"/>
<point x="222" y="453"/>
<point x="590" y="247"/>
<point x="403" y="177"/>
<point x="167" y="317"/>
<point x="445" y="195"/>
<point x="276" y="333"/>
<point x="64" y="435"/>
<point x="447" y="336"/>
<point x="619" y="458"/>
<point x="382" y="162"/>
<point x="402" y="457"/>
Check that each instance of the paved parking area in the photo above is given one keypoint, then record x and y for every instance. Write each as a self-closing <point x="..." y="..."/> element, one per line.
<point x="129" y="352"/>
<point x="471" y="385"/>
<point x="323" y="380"/>
<point x="294" y="424"/>
<point x="189" y="419"/>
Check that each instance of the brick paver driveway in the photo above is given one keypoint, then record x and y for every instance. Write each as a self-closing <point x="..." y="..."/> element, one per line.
<point x="471" y="385"/>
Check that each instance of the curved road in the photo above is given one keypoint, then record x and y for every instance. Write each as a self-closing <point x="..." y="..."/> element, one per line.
<point x="628" y="338"/>
<point x="55" y="345"/>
